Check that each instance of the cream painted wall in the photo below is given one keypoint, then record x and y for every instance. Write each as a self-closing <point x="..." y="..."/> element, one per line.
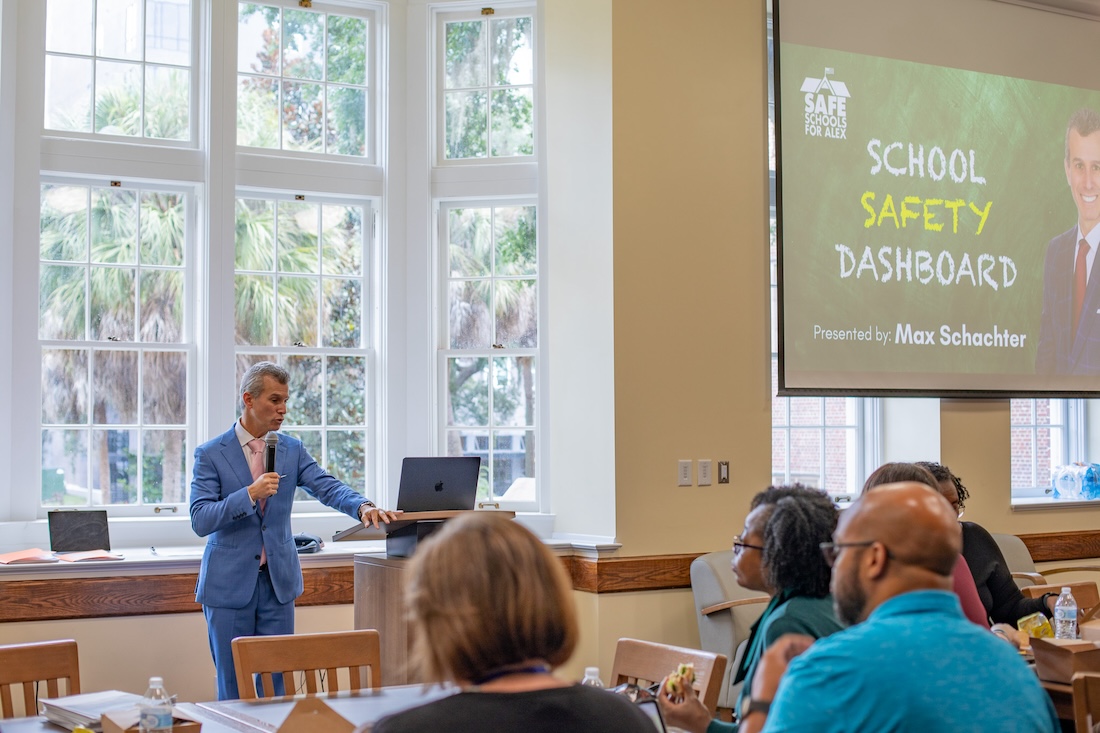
<point x="123" y="653"/>
<point x="666" y="616"/>
<point x="691" y="268"/>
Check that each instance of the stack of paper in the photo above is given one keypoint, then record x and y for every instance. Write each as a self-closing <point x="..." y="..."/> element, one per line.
<point x="19" y="557"/>
<point x="86" y="709"/>
<point x="88" y="556"/>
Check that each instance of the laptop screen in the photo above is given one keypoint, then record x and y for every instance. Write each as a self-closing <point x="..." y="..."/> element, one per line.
<point x="78" y="530"/>
<point x="438" y="483"/>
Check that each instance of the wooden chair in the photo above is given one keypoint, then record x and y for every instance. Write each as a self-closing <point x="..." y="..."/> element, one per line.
<point x="1086" y="701"/>
<point x="319" y="657"/>
<point x="647" y="662"/>
<point x="724" y="612"/>
<point x="24" y="666"/>
<point x="1085" y="593"/>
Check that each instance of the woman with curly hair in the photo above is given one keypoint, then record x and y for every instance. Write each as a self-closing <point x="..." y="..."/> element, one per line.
<point x="778" y="553"/>
<point x="999" y="594"/>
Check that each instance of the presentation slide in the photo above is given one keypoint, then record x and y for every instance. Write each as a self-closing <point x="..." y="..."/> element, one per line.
<point x="929" y="223"/>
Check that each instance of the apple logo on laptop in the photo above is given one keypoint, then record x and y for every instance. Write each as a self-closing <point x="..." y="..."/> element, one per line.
<point x="439" y="486"/>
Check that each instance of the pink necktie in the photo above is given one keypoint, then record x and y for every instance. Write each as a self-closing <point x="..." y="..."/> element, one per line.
<point x="256" y="464"/>
<point x="1080" y="282"/>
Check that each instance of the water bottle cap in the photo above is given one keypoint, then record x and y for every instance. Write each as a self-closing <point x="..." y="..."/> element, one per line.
<point x="1065" y="589"/>
<point x="591" y="671"/>
<point x="156" y="682"/>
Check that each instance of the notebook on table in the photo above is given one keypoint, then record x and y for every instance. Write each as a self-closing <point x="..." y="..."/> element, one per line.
<point x="438" y="483"/>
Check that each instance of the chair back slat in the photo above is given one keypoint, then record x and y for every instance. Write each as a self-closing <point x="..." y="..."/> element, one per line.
<point x="312" y="655"/>
<point x="1086" y="700"/>
<point x="645" y="663"/>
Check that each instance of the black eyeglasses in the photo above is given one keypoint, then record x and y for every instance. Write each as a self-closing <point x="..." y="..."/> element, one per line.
<point x="739" y="545"/>
<point x="832" y="549"/>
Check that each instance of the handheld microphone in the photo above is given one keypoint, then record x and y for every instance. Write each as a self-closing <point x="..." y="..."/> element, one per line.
<point x="272" y="440"/>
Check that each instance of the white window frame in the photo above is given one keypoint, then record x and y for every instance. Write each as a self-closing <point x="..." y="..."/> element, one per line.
<point x="214" y="169"/>
<point x="1075" y="442"/>
<point x="187" y="346"/>
<point x="198" y="102"/>
<point x="444" y="352"/>
<point x="467" y="11"/>
<point x="365" y="350"/>
<point x="477" y="182"/>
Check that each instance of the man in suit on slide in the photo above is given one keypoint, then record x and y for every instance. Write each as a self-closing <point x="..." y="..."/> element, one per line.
<point x="250" y="574"/>
<point x="1069" y="333"/>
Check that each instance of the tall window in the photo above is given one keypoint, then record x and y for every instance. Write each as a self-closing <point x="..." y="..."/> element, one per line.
<point x="303" y="279"/>
<point x="1046" y="434"/>
<point x="174" y="242"/>
<point x="491" y="360"/>
<point x="489" y="249"/>
<point x="115" y="344"/>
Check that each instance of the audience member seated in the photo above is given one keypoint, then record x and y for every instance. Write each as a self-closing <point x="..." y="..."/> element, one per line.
<point x="910" y="661"/>
<point x="491" y="610"/>
<point x="962" y="582"/>
<point x="999" y="594"/>
<point x="777" y="553"/>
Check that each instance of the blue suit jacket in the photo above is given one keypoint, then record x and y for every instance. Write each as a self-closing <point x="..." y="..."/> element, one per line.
<point x="1059" y="351"/>
<point x="222" y="510"/>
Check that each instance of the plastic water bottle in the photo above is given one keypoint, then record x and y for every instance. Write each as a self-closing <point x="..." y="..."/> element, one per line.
<point x="1090" y="484"/>
<point x="1065" y="616"/>
<point x="156" y="707"/>
<point x="592" y="677"/>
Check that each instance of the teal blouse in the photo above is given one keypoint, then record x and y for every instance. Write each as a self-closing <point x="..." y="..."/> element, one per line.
<point x="786" y="613"/>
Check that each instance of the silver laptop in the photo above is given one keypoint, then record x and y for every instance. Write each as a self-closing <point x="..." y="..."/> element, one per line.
<point x="438" y="484"/>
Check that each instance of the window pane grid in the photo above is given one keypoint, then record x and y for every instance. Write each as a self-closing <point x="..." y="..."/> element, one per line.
<point x="487" y="87"/>
<point x="301" y="289"/>
<point x="136" y="79"/>
<point x="1038" y="434"/>
<point x="489" y="339"/>
<point x="114" y="345"/>
<point x="303" y="81"/>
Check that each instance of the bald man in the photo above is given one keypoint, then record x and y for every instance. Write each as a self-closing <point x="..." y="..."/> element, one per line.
<point x="910" y="661"/>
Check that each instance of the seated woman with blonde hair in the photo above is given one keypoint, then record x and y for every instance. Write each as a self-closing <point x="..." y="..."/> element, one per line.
<point x="491" y="611"/>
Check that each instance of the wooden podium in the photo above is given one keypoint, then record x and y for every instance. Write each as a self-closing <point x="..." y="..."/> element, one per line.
<point x="380" y="585"/>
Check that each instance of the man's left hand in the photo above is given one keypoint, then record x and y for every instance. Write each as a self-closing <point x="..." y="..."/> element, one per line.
<point x="372" y="515"/>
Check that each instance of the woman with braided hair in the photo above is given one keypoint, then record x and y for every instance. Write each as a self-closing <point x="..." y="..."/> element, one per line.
<point x="778" y="553"/>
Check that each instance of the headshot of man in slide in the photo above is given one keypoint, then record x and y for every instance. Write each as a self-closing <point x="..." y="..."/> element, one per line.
<point x="1069" y="334"/>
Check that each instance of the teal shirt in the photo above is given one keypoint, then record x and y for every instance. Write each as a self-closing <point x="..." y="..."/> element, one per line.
<point x="784" y="615"/>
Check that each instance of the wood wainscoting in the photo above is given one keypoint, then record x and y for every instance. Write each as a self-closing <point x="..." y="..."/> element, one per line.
<point x="140" y="595"/>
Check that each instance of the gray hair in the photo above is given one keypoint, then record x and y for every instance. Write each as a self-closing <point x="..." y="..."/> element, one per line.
<point x="1085" y="121"/>
<point x="253" y="380"/>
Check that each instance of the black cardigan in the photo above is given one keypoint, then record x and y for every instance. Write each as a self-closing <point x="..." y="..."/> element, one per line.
<point x="1000" y="595"/>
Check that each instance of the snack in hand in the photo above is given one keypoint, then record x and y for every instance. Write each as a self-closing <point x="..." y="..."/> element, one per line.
<point x="680" y="680"/>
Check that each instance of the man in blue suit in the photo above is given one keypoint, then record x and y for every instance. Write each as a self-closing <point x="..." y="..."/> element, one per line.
<point x="1069" y="333"/>
<point x="250" y="574"/>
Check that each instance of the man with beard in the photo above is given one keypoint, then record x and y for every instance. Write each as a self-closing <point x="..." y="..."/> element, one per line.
<point x="910" y="661"/>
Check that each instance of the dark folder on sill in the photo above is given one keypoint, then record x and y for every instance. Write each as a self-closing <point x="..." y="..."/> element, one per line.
<point x="78" y="530"/>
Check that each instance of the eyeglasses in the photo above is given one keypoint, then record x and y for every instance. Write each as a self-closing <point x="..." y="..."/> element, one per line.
<point x="831" y="550"/>
<point x="959" y="508"/>
<point x="739" y="545"/>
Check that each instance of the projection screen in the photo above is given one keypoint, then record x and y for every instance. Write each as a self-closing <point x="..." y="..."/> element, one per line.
<point x="938" y="163"/>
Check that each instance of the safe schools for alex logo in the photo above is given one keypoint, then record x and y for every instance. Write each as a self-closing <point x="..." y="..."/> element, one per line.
<point x="826" y="106"/>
